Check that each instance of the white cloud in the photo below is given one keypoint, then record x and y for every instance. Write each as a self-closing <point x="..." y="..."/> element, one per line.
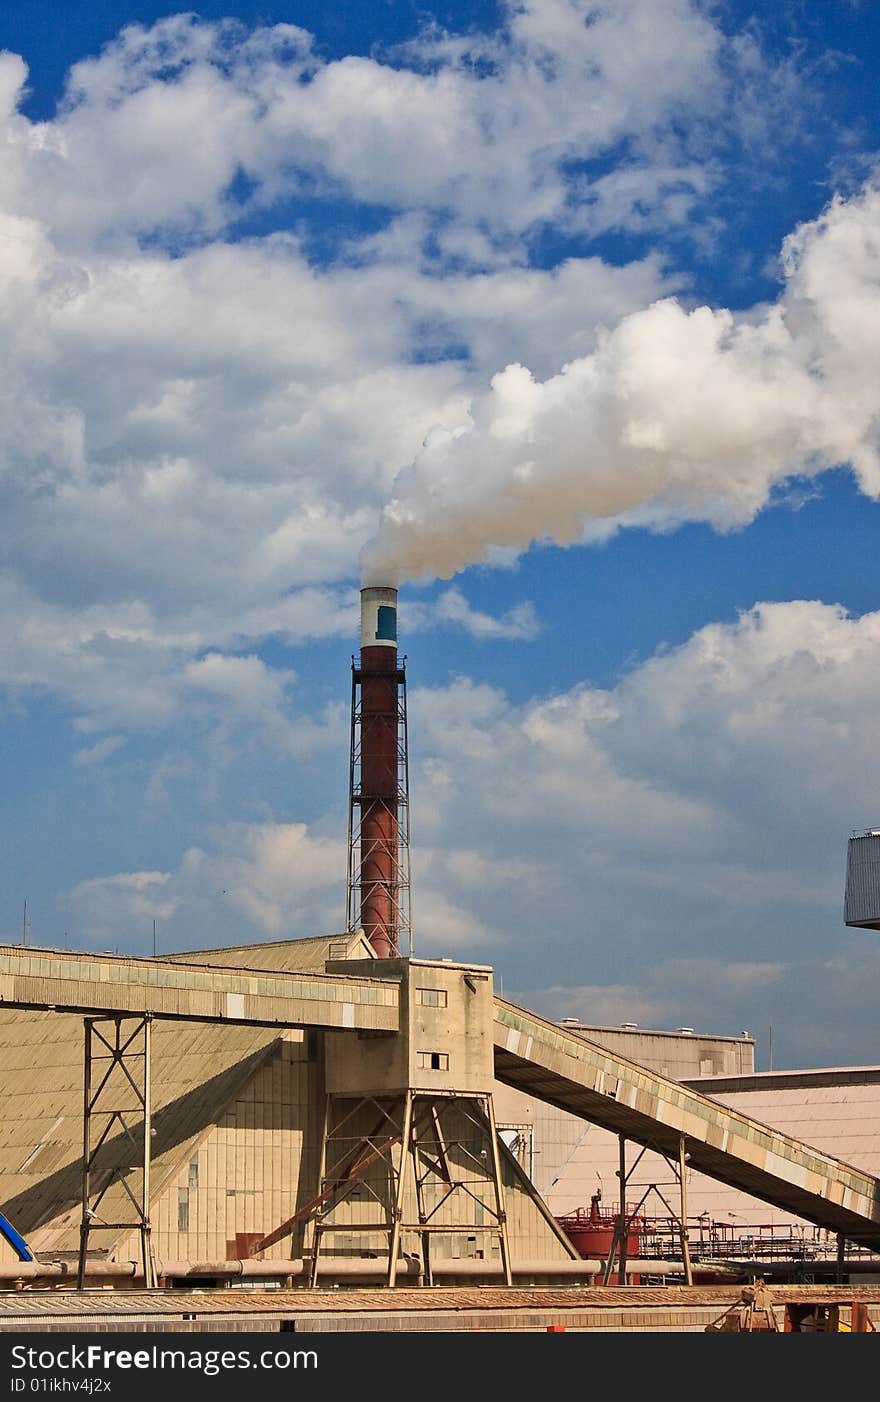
<point x="677" y="415"/>
<point x="705" y="993"/>
<point x="246" y="682"/>
<point x="489" y="122"/>
<point x="597" y="1004"/>
<point x="452" y="609"/>
<point x="117" y="911"/>
<point x="276" y="877"/>
<point x="213" y="461"/>
<point x="264" y="880"/>
<point x="95" y="754"/>
<point x="445" y="926"/>
<point x="670" y="850"/>
<point x="676" y="844"/>
<point x="196" y="444"/>
<point x="246" y="700"/>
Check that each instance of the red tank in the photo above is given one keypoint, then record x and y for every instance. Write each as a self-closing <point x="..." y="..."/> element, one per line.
<point x="592" y="1234"/>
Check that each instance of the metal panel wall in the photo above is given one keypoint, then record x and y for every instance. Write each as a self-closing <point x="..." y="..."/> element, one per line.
<point x="861" y="904"/>
<point x="258" y="1164"/>
<point x="251" y="1170"/>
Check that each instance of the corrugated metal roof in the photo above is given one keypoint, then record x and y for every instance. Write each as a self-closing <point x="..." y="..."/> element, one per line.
<point x="101" y="1304"/>
<point x="291" y="956"/>
<point x="197" y="1070"/>
<point x="718" y="1082"/>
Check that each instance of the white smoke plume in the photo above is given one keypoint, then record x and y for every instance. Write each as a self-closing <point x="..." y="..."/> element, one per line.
<point x="678" y="415"/>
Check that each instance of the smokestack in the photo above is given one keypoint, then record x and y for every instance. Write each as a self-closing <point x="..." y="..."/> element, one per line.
<point x="378" y="868"/>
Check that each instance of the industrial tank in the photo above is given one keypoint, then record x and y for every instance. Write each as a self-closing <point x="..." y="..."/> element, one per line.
<point x="592" y="1233"/>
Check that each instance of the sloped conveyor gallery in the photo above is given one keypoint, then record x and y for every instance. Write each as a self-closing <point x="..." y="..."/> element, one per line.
<point x="563" y="1068"/>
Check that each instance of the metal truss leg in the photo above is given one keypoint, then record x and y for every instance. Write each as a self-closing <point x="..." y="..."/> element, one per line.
<point x="621" y="1225"/>
<point x="322" y="1166"/>
<point x="499" y="1193"/>
<point x="394" y="1235"/>
<point x="117" y="1090"/>
<point x="682" y="1184"/>
<point x="421" y="1204"/>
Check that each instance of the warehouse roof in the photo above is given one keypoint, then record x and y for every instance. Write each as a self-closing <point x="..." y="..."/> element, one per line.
<point x="290" y="956"/>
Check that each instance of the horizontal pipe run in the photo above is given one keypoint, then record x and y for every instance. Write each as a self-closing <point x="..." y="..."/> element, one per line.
<point x="364" y="1268"/>
<point x="248" y="1269"/>
<point x="66" y="1270"/>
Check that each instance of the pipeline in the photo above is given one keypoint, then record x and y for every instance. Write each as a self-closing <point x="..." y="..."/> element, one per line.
<point x="409" y="1268"/>
<point x="366" y="1268"/>
<point x="67" y="1270"/>
<point x="133" y="1270"/>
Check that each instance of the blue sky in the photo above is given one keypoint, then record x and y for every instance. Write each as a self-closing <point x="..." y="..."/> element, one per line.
<point x="563" y="314"/>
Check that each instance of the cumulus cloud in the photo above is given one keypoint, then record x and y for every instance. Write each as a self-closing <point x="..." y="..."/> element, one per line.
<point x="116" y="911"/>
<point x="678" y="415"/>
<point x="445" y="925"/>
<point x="452" y="609"/>
<point x="708" y="993"/>
<point x="263" y="880"/>
<point x="97" y="753"/>
<point x="198" y="432"/>
<point x="276" y="877"/>
<point x="194" y="449"/>
<point x="674" y="845"/>
<point x="494" y="122"/>
<point x="598" y="1004"/>
<point x="668" y="850"/>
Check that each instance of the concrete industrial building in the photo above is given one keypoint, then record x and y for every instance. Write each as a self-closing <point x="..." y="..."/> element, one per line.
<point x="331" y="1110"/>
<point x="238" y="1120"/>
<point x="237" y="1133"/>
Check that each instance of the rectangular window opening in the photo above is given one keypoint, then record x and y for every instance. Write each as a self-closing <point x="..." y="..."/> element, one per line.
<point x="431" y="997"/>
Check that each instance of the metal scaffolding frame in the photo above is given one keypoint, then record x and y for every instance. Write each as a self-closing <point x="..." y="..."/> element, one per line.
<point x="407" y="1136"/>
<point x="116" y="1095"/>
<point x="626" y="1214"/>
<point x="401" y="892"/>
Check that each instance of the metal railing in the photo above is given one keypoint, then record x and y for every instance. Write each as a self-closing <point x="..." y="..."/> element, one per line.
<point x="753" y="1241"/>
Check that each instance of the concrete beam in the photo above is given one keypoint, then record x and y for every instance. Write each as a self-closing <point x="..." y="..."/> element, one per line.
<point x="70" y="981"/>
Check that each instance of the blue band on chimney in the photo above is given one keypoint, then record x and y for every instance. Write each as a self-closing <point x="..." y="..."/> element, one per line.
<point x="386" y="624"/>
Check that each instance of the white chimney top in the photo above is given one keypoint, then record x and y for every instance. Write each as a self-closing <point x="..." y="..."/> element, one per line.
<point x="378" y="617"/>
